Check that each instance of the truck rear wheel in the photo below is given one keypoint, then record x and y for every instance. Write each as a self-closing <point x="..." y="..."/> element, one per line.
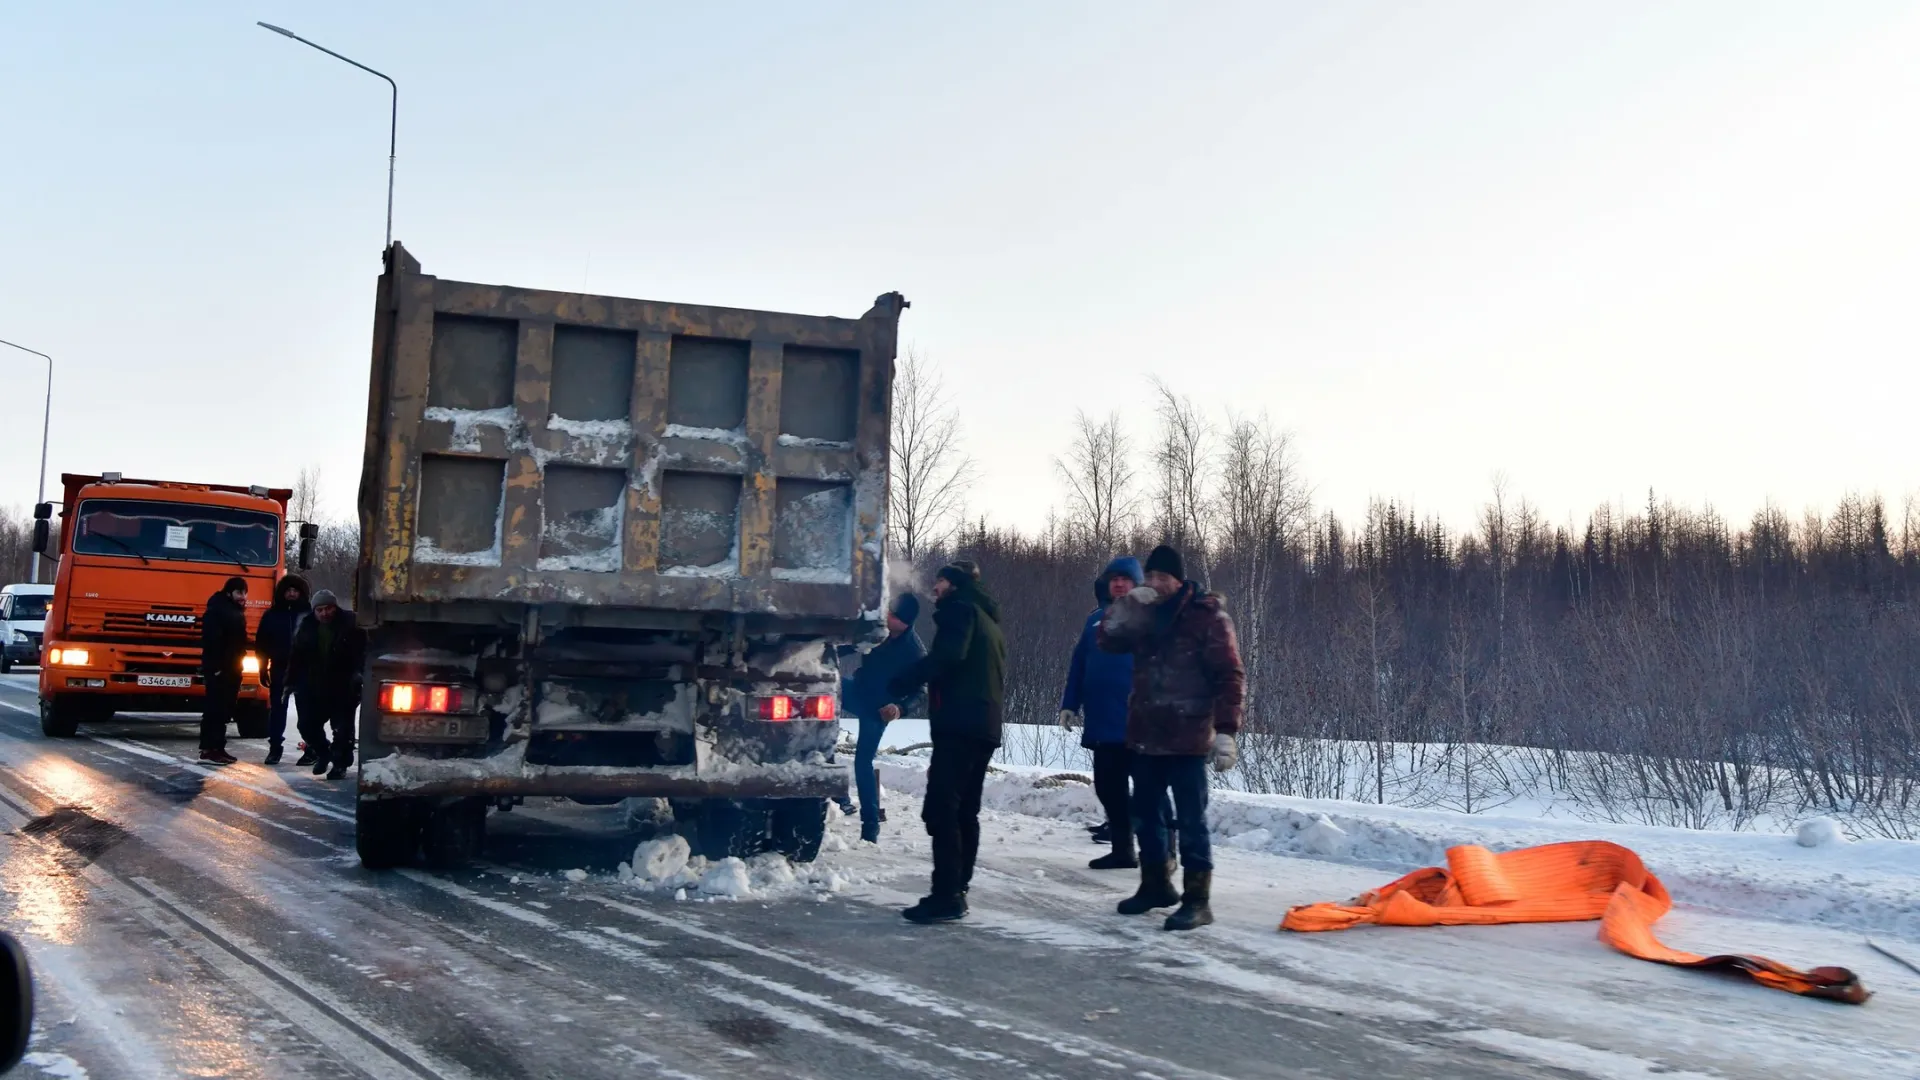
<point x="454" y="832"/>
<point x="58" y="719"/>
<point x="722" y="828"/>
<point x="798" y="827"/>
<point x="386" y="832"/>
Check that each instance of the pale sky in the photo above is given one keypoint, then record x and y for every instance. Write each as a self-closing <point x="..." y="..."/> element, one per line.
<point x="1598" y="247"/>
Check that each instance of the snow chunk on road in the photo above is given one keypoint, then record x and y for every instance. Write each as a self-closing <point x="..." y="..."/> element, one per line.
<point x="576" y="875"/>
<point x="1820" y="832"/>
<point x="728" y="877"/>
<point x="659" y="862"/>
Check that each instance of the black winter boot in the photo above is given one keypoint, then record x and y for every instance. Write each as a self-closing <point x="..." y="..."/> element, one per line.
<point x="1156" y="890"/>
<point x="938" y="909"/>
<point x="1121" y="857"/>
<point x="1194" y="911"/>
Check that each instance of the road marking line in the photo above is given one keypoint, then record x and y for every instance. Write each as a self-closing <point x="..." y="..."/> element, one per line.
<point x="218" y="773"/>
<point x="333" y="1025"/>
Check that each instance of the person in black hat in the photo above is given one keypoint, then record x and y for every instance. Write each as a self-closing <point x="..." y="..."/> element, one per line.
<point x="223" y="649"/>
<point x="274" y="641"/>
<point x="964" y="673"/>
<point x="869" y="698"/>
<point x="1188" y="690"/>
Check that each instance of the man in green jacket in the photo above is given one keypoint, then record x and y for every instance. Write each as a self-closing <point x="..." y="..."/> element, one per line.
<point x="964" y="673"/>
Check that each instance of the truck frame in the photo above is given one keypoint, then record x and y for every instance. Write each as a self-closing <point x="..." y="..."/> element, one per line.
<point x="608" y="549"/>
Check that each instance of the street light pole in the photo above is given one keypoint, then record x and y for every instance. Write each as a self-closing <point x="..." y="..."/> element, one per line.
<point x="46" y="423"/>
<point x="393" y="126"/>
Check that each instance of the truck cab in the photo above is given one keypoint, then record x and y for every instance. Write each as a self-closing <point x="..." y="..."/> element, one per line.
<point x="137" y="561"/>
<point x="23" y="617"/>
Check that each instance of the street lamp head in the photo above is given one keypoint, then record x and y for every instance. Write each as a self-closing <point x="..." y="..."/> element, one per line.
<point x="278" y="30"/>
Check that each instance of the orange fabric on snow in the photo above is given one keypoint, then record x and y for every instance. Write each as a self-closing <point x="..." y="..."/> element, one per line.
<point x="1571" y="882"/>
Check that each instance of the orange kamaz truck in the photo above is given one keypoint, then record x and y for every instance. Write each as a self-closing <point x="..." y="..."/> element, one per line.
<point x="137" y="561"/>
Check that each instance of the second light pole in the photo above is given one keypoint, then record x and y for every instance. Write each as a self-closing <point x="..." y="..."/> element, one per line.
<point x="393" y="128"/>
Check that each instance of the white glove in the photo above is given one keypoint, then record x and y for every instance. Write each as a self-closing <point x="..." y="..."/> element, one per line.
<point x="1225" y="754"/>
<point x="1069" y="719"/>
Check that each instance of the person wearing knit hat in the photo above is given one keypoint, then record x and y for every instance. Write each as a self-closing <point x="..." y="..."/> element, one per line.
<point x="223" y="651"/>
<point x="325" y="668"/>
<point x="867" y="696"/>
<point x="1098" y="685"/>
<point x="1189" y="687"/>
<point x="965" y="675"/>
<point x="274" y="642"/>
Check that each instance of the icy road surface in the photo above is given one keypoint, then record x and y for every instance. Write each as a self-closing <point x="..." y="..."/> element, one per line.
<point x="186" y="921"/>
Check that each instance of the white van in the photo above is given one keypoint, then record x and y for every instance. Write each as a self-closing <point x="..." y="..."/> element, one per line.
<point x="23" y="618"/>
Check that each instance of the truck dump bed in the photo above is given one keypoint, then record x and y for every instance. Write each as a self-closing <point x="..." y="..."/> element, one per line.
<point x="621" y="462"/>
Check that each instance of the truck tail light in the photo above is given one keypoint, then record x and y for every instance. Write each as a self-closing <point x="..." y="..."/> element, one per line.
<point x="788" y="707"/>
<point x="250" y="664"/>
<point x="398" y="697"/>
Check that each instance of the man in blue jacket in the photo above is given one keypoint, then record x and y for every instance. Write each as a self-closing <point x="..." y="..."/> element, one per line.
<point x="867" y="697"/>
<point x="1098" y="685"/>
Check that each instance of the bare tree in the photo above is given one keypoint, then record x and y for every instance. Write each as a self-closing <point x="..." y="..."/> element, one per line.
<point x="931" y="471"/>
<point x="1263" y="510"/>
<point x="1098" y="473"/>
<point x="1182" y="458"/>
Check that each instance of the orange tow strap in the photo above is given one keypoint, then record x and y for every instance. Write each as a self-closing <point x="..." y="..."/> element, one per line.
<point x="1572" y="882"/>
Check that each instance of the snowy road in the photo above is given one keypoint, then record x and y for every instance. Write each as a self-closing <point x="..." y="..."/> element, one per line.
<point x="195" y="922"/>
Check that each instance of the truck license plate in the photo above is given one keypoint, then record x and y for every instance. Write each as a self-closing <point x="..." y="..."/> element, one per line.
<point x="178" y="681"/>
<point x="432" y="729"/>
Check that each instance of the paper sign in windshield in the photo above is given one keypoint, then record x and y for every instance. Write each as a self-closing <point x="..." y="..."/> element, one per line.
<point x="177" y="537"/>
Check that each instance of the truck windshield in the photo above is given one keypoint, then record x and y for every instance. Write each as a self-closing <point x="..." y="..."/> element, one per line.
<point x="28" y="607"/>
<point x="132" y="528"/>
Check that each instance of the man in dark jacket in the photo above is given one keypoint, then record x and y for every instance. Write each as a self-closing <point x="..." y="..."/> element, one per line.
<point x="1098" y="685"/>
<point x="964" y="674"/>
<point x="274" y="643"/>
<point x="867" y="696"/>
<point x="223" y="649"/>
<point x="325" y="668"/>
<point x="1188" y="688"/>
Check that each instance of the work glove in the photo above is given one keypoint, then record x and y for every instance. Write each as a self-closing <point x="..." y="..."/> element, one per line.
<point x="1069" y="719"/>
<point x="1226" y="752"/>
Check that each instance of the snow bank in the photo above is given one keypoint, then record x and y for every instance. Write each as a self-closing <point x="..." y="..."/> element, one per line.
<point x="1868" y="884"/>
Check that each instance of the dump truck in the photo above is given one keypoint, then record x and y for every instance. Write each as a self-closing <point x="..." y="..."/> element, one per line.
<point x="137" y="561"/>
<point x="608" y="550"/>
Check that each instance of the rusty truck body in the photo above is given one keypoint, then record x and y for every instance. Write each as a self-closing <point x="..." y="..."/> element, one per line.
<point x="608" y="549"/>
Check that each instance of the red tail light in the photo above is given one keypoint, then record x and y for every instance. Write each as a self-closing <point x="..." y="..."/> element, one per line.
<point x="820" y="707"/>
<point x="788" y="707"/>
<point x="418" y="697"/>
<point x="777" y="707"/>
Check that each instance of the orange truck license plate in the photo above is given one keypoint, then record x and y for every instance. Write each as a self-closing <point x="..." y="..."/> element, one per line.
<point x="427" y="728"/>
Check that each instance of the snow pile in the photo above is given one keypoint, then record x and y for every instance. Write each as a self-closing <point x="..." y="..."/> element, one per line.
<point x="467" y="422"/>
<point x="737" y="436"/>
<point x="728" y="877"/>
<point x="814" y="444"/>
<point x="1819" y="832"/>
<point x="576" y="875"/>
<point x="661" y="862"/>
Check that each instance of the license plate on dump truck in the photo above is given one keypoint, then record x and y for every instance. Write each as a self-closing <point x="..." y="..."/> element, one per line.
<point x="177" y="681"/>
<point x="432" y="729"/>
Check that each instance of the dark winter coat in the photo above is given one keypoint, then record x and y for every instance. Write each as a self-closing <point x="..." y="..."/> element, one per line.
<point x="1099" y="682"/>
<point x="326" y="659"/>
<point x="274" y="639"/>
<point x="965" y="670"/>
<point x="1188" y="682"/>
<point x="223" y="637"/>
<point x="866" y="692"/>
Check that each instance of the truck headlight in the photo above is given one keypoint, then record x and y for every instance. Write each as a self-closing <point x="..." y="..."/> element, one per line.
<point x="68" y="657"/>
<point x="250" y="665"/>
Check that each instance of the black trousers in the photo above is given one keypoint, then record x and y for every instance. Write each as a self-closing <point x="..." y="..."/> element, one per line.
<point x="951" y="809"/>
<point x="277" y="718"/>
<point x="1112" y="771"/>
<point x="217" y="710"/>
<point x="317" y="711"/>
